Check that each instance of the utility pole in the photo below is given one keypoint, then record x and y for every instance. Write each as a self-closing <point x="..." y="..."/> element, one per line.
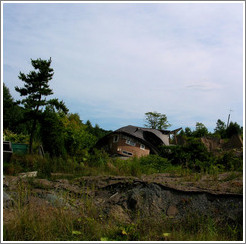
<point x="229" y="118"/>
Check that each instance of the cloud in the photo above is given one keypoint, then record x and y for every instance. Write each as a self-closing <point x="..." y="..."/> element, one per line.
<point x="118" y="61"/>
<point x="203" y="86"/>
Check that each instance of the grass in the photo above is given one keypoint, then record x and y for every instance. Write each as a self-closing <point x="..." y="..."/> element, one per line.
<point x="90" y="224"/>
<point x="32" y="221"/>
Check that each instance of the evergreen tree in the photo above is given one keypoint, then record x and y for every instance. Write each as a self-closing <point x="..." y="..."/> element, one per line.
<point x="35" y="90"/>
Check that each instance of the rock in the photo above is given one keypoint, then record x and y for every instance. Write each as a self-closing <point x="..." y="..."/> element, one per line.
<point x="28" y="174"/>
<point x="42" y="184"/>
<point x="172" y="211"/>
<point x="56" y="201"/>
<point x="117" y="213"/>
<point x="7" y="200"/>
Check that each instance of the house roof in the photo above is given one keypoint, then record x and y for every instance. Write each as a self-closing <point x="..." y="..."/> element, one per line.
<point x="150" y="137"/>
<point x="140" y="133"/>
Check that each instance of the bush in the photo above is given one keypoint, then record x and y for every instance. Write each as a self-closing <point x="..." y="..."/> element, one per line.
<point x="15" y="138"/>
<point x="193" y="155"/>
<point x="230" y="161"/>
<point x="153" y="164"/>
<point x="98" y="158"/>
<point x="130" y="166"/>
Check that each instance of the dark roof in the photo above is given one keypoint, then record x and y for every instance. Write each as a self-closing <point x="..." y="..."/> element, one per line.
<point x="150" y="137"/>
<point x="138" y="132"/>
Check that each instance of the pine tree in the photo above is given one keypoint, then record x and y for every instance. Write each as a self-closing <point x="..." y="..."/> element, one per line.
<point x="35" y="90"/>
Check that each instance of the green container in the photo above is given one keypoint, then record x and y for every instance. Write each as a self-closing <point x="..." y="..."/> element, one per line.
<point x="20" y="148"/>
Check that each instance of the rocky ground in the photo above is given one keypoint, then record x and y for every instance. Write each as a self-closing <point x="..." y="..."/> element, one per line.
<point x="122" y="197"/>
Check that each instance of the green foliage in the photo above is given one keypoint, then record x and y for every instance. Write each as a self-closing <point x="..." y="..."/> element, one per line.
<point x="154" y="164"/>
<point x="200" y="131"/>
<point x="15" y="138"/>
<point x="52" y="133"/>
<point x="12" y="113"/>
<point x="96" y="131"/>
<point x="35" y="90"/>
<point x="230" y="161"/>
<point x="220" y="129"/>
<point x="192" y="155"/>
<point x="156" y="120"/>
<point x="223" y="132"/>
<point x="24" y="163"/>
<point x="77" y="138"/>
<point x="90" y="224"/>
<point x="98" y="158"/>
<point x="233" y="129"/>
<point x="188" y="132"/>
<point x="130" y="167"/>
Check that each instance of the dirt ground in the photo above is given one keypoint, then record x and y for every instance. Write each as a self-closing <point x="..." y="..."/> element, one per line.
<point x="120" y="196"/>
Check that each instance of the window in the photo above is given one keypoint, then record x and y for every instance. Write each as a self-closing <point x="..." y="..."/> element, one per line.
<point x="142" y="146"/>
<point x="130" y="142"/>
<point x="116" y="138"/>
<point x="127" y="153"/>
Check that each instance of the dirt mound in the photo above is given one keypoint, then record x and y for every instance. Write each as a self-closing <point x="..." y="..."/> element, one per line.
<point x="128" y="198"/>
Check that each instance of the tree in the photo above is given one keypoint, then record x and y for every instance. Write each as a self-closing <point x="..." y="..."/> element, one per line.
<point x="35" y="90"/>
<point x="188" y="132"/>
<point x="220" y="128"/>
<point x="233" y="129"/>
<point x="201" y="130"/>
<point x="8" y="105"/>
<point x="156" y="121"/>
<point x="52" y="132"/>
<point x="77" y="138"/>
<point x="12" y="113"/>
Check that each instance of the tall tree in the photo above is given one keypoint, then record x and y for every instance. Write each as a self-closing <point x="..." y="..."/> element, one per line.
<point x="12" y="113"/>
<point x="156" y="120"/>
<point x="35" y="90"/>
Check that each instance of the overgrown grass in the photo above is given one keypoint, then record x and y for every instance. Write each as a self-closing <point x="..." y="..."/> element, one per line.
<point x="35" y="222"/>
<point x="90" y="224"/>
<point x="99" y="163"/>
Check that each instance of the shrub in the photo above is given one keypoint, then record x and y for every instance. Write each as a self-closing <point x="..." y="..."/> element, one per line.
<point x="230" y="161"/>
<point x="192" y="155"/>
<point x="98" y="158"/>
<point x="153" y="164"/>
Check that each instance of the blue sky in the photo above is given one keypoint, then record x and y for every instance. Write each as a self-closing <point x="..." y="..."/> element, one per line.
<point x="114" y="62"/>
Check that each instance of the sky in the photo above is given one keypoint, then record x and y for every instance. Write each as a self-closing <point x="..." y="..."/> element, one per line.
<point x="115" y="61"/>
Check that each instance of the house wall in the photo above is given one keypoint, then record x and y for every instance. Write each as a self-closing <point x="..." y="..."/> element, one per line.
<point x="126" y="146"/>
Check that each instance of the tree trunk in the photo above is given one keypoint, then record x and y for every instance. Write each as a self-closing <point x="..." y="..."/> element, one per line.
<point x="32" y="135"/>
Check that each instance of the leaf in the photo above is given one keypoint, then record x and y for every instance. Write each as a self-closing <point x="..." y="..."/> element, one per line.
<point x="166" y="234"/>
<point x="124" y="232"/>
<point x="76" y="232"/>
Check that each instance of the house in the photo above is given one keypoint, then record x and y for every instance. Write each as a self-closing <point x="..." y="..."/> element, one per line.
<point x="130" y="141"/>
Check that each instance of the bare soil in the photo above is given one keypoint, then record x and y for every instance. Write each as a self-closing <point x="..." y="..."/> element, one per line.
<point x="121" y="197"/>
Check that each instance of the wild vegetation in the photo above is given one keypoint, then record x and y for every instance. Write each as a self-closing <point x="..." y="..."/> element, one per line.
<point x="69" y="146"/>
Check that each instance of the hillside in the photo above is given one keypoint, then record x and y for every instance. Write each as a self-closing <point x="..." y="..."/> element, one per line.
<point x="118" y="203"/>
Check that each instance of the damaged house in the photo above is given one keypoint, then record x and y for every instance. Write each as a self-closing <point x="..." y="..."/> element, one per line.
<point x="130" y="141"/>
